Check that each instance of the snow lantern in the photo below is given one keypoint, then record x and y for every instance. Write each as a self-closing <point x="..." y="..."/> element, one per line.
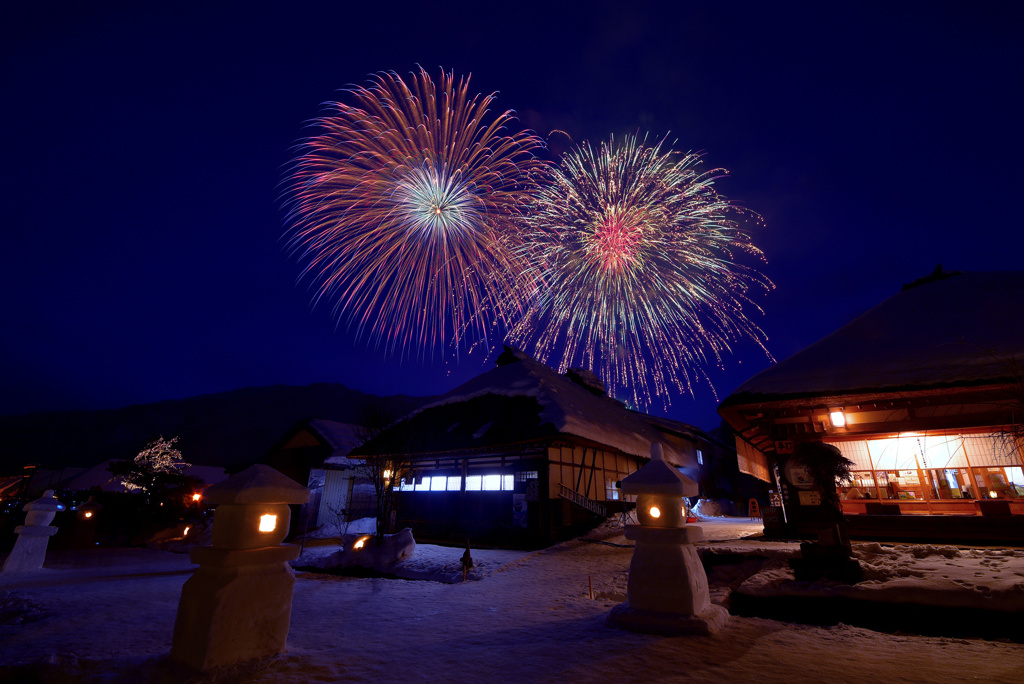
<point x="237" y="605"/>
<point x="667" y="591"/>
<point x="89" y="509"/>
<point x="29" y="550"/>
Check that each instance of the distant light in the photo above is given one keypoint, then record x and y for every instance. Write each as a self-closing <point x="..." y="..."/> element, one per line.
<point x="197" y="497"/>
<point x="185" y="533"/>
<point x="655" y="512"/>
<point x="838" y="418"/>
<point x="387" y="474"/>
<point x="268" y="523"/>
<point x="88" y="514"/>
<point x="360" y="543"/>
<point x="991" y="495"/>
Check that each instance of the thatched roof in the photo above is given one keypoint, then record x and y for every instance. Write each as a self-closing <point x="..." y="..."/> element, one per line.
<point x="523" y="401"/>
<point x="950" y="329"/>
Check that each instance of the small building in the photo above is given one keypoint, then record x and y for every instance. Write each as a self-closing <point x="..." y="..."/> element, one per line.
<point x="522" y="453"/>
<point x="923" y="393"/>
<point x="315" y="451"/>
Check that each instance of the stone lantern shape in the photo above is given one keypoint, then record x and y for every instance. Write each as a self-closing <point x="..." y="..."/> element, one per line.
<point x="238" y="603"/>
<point x="667" y="591"/>
<point x="29" y="550"/>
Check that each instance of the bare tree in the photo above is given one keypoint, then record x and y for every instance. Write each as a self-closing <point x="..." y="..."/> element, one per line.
<point x="384" y="440"/>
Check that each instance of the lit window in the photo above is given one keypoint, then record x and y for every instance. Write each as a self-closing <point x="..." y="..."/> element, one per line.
<point x="455" y="483"/>
<point x="524" y="475"/>
<point x="268" y="523"/>
<point x="473" y="483"/>
<point x="508" y="482"/>
<point x="700" y="457"/>
<point x="492" y="483"/>
<point x="408" y="485"/>
<point x="423" y="485"/>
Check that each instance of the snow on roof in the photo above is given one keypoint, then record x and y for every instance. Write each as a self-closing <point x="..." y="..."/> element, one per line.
<point x="342" y="437"/>
<point x="948" y="329"/>
<point x="568" y="407"/>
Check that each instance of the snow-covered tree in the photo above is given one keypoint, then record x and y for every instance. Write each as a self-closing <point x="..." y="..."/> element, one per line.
<point x="155" y="470"/>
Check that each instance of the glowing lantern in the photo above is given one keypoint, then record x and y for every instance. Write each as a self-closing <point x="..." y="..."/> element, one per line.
<point x="89" y="509"/>
<point x="237" y="604"/>
<point x="197" y="497"/>
<point x="360" y="543"/>
<point x="838" y="418"/>
<point x="667" y="590"/>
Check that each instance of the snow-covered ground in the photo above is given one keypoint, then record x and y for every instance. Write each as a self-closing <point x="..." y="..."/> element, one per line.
<point x="107" y="616"/>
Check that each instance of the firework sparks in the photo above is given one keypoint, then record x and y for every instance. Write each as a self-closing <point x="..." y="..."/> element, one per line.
<point x="641" y="281"/>
<point x="404" y="207"/>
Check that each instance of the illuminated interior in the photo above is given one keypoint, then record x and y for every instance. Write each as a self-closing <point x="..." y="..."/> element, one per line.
<point x="918" y="467"/>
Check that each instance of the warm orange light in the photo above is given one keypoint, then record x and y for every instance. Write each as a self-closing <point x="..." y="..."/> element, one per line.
<point x="655" y="512"/>
<point x="992" y="495"/>
<point x="268" y="523"/>
<point x="88" y="514"/>
<point x="838" y="418"/>
<point x="197" y="496"/>
<point x="185" y="533"/>
<point x="387" y="474"/>
<point x="359" y="544"/>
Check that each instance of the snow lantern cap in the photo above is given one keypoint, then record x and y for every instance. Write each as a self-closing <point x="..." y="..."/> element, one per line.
<point x="658" y="477"/>
<point x="48" y="502"/>
<point x="256" y="485"/>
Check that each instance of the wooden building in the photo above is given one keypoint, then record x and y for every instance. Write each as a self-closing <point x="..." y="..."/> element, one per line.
<point x="521" y="453"/>
<point x="924" y="393"/>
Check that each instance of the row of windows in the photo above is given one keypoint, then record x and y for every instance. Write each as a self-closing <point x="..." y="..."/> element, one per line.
<point x="453" y="483"/>
<point x="911" y="451"/>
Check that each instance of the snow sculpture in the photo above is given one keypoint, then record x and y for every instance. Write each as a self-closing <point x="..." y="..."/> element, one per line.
<point x="29" y="550"/>
<point x="667" y="592"/>
<point x="238" y="603"/>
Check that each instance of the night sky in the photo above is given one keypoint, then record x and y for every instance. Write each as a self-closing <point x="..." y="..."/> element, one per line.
<point x="145" y="145"/>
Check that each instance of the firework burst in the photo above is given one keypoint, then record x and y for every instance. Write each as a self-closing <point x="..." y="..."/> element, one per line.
<point x="404" y="207"/>
<point x="641" y="281"/>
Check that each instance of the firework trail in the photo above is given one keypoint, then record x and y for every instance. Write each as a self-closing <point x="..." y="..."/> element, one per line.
<point x="403" y="207"/>
<point x="641" y="282"/>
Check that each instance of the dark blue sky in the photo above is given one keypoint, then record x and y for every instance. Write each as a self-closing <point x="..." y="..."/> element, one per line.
<point x="144" y="147"/>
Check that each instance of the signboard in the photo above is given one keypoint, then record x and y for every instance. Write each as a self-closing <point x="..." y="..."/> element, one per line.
<point x="798" y="474"/>
<point x="772" y="516"/>
<point x="784" y="447"/>
<point x="810" y="498"/>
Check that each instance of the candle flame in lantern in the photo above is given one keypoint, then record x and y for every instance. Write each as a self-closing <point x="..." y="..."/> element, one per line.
<point x="359" y="544"/>
<point x="655" y="512"/>
<point x="268" y="523"/>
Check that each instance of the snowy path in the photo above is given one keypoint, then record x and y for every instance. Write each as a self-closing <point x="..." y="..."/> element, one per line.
<point x="528" y="620"/>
